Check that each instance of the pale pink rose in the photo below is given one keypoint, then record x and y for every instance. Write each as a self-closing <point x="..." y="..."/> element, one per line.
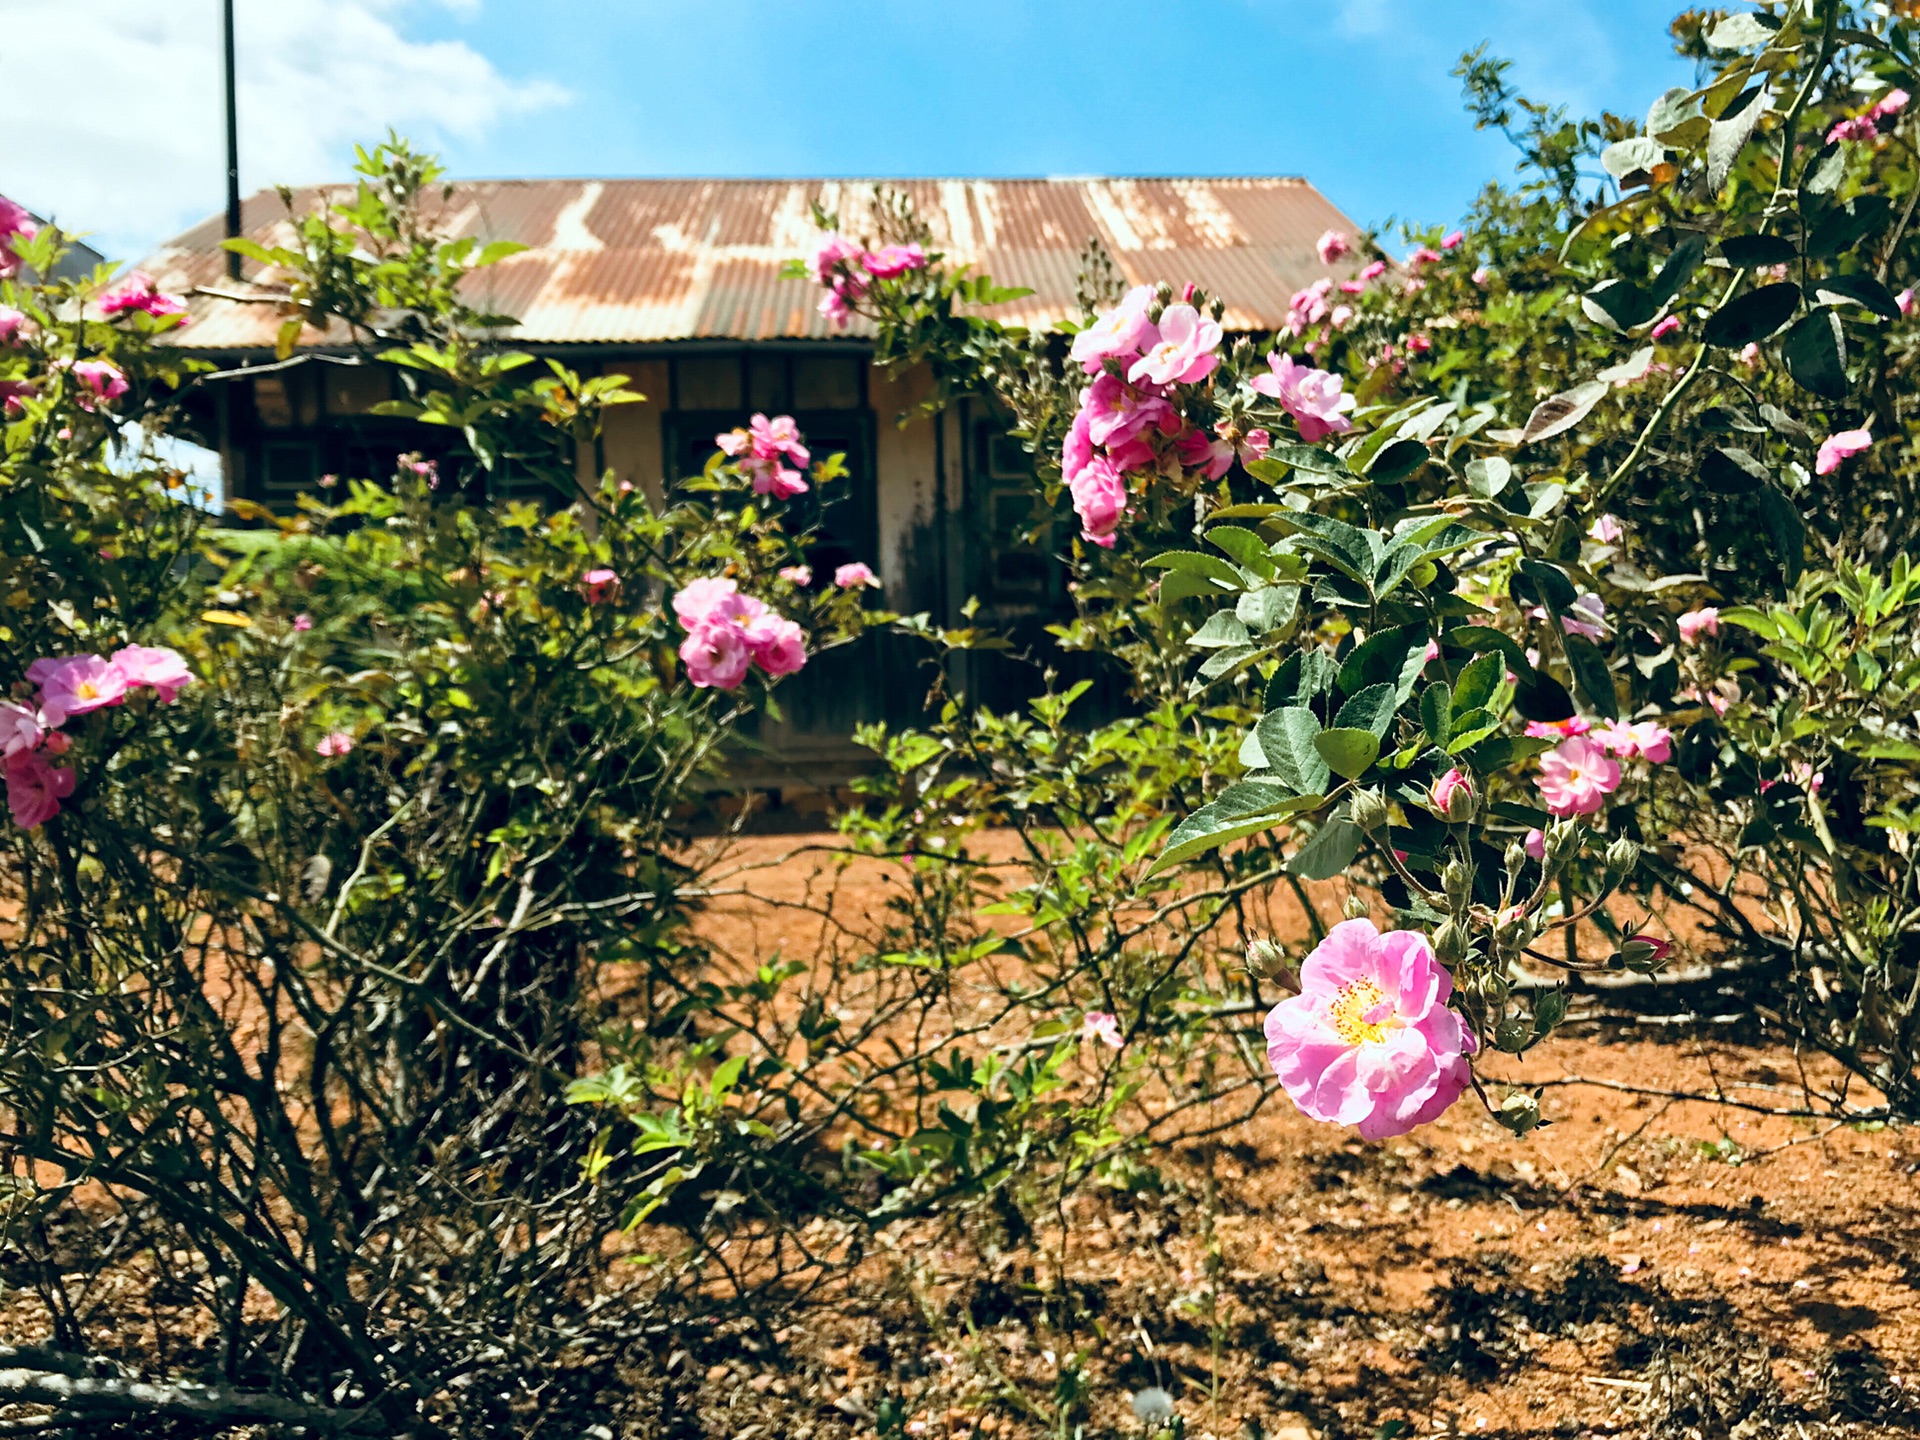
<point x="1117" y="412"/>
<point x="834" y="306"/>
<point x="1440" y="794"/>
<point x="303" y="622"/>
<point x="1432" y="652"/>
<point x="1419" y="344"/>
<point x="1482" y="277"/>
<point x="12" y="321"/>
<point x="1308" y="308"/>
<point x="1313" y="398"/>
<point x="1644" y="740"/>
<point x="1576" y="777"/>
<point x="801" y="575"/>
<point x="138" y="292"/>
<point x="1536" y="844"/>
<point x="894" y="260"/>
<point x="830" y="257"/>
<point x="1184" y="354"/>
<point x="1077" y="452"/>
<point x="99" y="380"/>
<point x="773" y="479"/>
<point x="1586" y="617"/>
<point x="1802" y="773"/>
<point x="35" y="788"/>
<point x="1197" y="452"/>
<point x="600" y="585"/>
<point x="12" y="392"/>
<point x="1905" y="301"/>
<point x="1341" y="317"/>
<point x="1121" y="332"/>
<point x="164" y="671"/>
<point x="1100" y="500"/>
<point x="710" y="601"/>
<point x="1668" y="326"/>
<point x="1374" y="271"/>
<point x="1369" y="1040"/>
<point x="716" y="656"/>
<point x="1860" y="127"/>
<point x="778" y="645"/>
<point x="1836" y="449"/>
<point x="1332" y="245"/>
<point x="1101" y="1026"/>
<point x="1713" y="698"/>
<point x="1423" y="256"/>
<point x="733" y="443"/>
<point x="1353" y="287"/>
<point x="75" y="685"/>
<point x="778" y="437"/>
<point x="855" y="574"/>
<point x="1890" y="104"/>
<point x="1558" y="729"/>
<point x="1453" y="240"/>
<point x="1607" y="530"/>
<point x="1695" y="623"/>
<point x="334" y="742"/>
<point x="20" y="729"/>
<point x="1413" y="287"/>
<point x="1255" y="443"/>
<point x="14" y="221"/>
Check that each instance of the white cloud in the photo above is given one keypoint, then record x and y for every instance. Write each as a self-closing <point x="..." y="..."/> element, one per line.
<point x="127" y="134"/>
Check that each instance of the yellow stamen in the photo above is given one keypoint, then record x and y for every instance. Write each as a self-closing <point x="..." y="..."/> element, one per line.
<point x="1350" y="1008"/>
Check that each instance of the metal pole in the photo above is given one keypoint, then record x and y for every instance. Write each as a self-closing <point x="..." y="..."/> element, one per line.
<point x="233" y="149"/>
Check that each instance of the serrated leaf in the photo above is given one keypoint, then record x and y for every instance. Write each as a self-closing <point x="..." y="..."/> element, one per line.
<point x="1815" y="350"/>
<point x="1559" y="413"/>
<point x="1674" y="107"/>
<point x="1739" y="32"/>
<point x="1750" y="252"/>
<point x="1862" y="290"/>
<point x="1329" y="852"/>
<point x="1224" y="662"/>
<point x="1371" y="710"/>
<point x="1632" y="156"/>
<point x="1752" y="316"/>
<point x="1591" y="676"/>
<point x="1348" y="753"/>
<point x="1286" y="739"/>
<point x="1504" y="750"/>
<point x="1436" y="712"/>
<point x="1270" y="608"/>
<point x="1845" y="226"/>
<point x="1396" y="461"/>
<point x="1728" y="135"/>
<point x="1618" y="304"/>
<point x="1195" y="562"/>
<point x="1241" y="810"/>
<point x="1477" y="683"/>
<point x="1221" y="629"/>
<point x="1248" y="550"/>
<point x="1489" y="475"/>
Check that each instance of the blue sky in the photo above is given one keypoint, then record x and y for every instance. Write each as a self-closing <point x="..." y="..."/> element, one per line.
<point x="1354" y="94"/>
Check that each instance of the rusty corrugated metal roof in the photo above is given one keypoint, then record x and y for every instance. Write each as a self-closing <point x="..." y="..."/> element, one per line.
<point x="640" y="261"/>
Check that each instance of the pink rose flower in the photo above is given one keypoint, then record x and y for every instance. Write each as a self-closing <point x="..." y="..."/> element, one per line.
<point x="894" y="260"/>
<point x="1117" y="412"/>
<point x="138" y="292"/>
<point x="303" y="622"/>
<point x="801" y="575"/>
<point x="1670" y="325"/>
<point x="1341" y="317"/>
<point x="1607" y="529"/>
<point x="1890" y="104"/>
<point x="99" y="380"/>
<point x="773" y="479"/>
<point x="830" y="258"/>
<point x="1353" y="287"/>
<point x="778" y="437"/>
<point x="1423" y="256"/>
<point x="1695" y="623"/>
<point x="1860" y="127"/>
<point x="1431" y="654"/>
<point x="1576" y="777"/>
<point x="711" y="600"/>
<point x="716" y="656"/>
<point x="1536" y="844"/>
<point x="1482" y="277"/>
<point x="1369" y="1040"/>
<point x="1313" y="398"/>
<point x="778" y="645"/>
<point x="162" y="670"/>
<point x="834" y="306"/>
<point x="1077" y="451"/>
<point x="1121" y="332"/>
<point x="1100" y="500"/>
<point x="733" y="443"/>
<point x="856" y="573"/>
<point x="1101" y="1026"/>
<point x="1197" y="452"/>
<point x="334" y="742"/>
<point x="76" y="685"/>
<point x="1453" y="240"/>
<point x="600" y="585"/>
<point x="1838" y="448"/>
<point x="1374" y="271"/>
<point x="1332" y="245"/>
<point x="1644" y="740"/>
<point x="1184" y="354"/>
<point x="35" y="788"/>
<point x="1440" y="795"/>
<point x="12" y="392"/>
<point x="12" y="321"/>
<point x="20" y="729"/>
<point x="1558" y="729"/>
<point x="1419" y="344"/>
<point x="14" y="221"/>
<point x="1255" y="443"/>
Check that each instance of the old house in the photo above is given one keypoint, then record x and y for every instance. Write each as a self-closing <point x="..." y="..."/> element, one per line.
<point x="677" y="284"/>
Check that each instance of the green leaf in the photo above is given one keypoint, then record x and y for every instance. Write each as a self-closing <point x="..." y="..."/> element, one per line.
<point x="1222" y="628"/>
<point x="1488" y="476"/>
<point x="1397" y="460"/>
<point x="1752" y="316"/>
<point x="1618" y="304"/>
<point x="1846" y="225"/>
<point x="1270" y="608"/>
<point x="1816" y="354"/>
<point x="1329" y="852"/>
<point x="1504" y="750"/>
<point x="1436" y="712"/>
<point x="1224" y="661"/>
<point x="1274" y="465"/>
<point x="1348" y="753"/>
<point x="1302" y="676"/>
<point x="1470" y="729"/>
<point x="1751" y="252"/>
<point x="1547" y="585"/>
<point x="1729" y="133"/>
<point x="1354" y="552"/>
<point x="1591" y="676"/>
<point x="1559" y="413"/>
<point x="1862" y="290"/>
<point x="1485" y="637"/>
<point x="1633" y="156"/>
<point x="1389" y="657"/>
<point x="1371" y="710"/>
<point x="1740" y="32"/>
<point x="1478" y="681"/>
<point x="1731" y="471"/>
<point x="1241" y="810"/>
<point x="1247" y="549"/>
<point x="1286" y="739"/>
<point x="1195" y="562"/>
<point x="1785" y="530"/>
<point x="496" y="251"/>
<point x="1538" y="696"/>
<point x="1679" y="267"/>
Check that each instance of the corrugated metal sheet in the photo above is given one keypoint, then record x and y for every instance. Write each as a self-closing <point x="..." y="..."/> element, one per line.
<point x="638" y="261"/>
